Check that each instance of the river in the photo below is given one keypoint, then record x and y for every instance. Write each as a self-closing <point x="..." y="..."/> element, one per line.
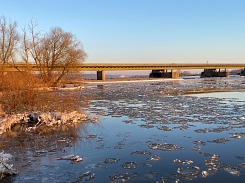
<point x="156" y="131"/>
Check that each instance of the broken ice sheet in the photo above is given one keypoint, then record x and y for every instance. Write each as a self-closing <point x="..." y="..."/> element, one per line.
<point x="5" y="167"/>
<point x="236" y="136"/>
<point x="219" y="140"/>
<point x="233" y="171"/>
<point x="165" y="147"/>
<point x="187" y="162"/>
<point x="111" y="160"/>
<point x="199" y="142"/>
<point x="188" y="173"/>
<point x="73" y="158"/>
<point x="130" y="165"/>
<point x="154" y="158"/>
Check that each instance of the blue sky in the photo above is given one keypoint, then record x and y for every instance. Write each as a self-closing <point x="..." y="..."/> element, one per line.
<point x="143" y="31"/>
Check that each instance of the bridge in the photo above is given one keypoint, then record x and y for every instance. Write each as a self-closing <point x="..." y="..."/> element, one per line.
<point x="101" y="68"/>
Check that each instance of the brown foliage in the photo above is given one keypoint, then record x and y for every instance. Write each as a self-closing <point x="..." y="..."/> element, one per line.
<point x="18" y="91"/>
<point x="23" y="92"/>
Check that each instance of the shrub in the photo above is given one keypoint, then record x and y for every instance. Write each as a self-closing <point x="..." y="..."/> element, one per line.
<point x="22" y="92"/>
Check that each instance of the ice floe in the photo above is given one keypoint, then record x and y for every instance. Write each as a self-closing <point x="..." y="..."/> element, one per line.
<point x="5" y="167"/>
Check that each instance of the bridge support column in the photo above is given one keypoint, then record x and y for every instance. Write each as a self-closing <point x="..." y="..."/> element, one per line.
<point x="243" y="72"/>
<point x="163" y="74"/>
<point x="175" y="75"/>
<point x="214" y="73"/>
<point x="101" y="75"/>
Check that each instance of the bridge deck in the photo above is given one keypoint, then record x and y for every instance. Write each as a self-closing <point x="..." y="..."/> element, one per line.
<point x="110" y="66"/>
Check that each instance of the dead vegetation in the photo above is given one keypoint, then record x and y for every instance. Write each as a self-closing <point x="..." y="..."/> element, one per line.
<point x="46" y="50"/>
<point x="23" y="92"/>
<point x="24" y="95"/>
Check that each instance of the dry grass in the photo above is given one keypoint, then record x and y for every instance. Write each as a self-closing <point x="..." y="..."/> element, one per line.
<point x="20" y="93"/>
<point x="18" y="88"/>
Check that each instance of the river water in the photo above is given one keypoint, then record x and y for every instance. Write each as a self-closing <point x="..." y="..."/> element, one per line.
<point x="147" y="131"/>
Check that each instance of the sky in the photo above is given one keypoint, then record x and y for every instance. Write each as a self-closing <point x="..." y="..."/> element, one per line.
<point x="142" y="31"/>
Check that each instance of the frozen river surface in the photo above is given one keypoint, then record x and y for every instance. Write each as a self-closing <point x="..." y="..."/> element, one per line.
<point x="154" y="131"/>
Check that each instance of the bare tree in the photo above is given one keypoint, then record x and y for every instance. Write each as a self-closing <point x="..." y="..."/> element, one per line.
<point x="19" y="91"/>
<point x="25" y="45"/>
<point x="55" y="49"/>
<point x="9" y="39"/>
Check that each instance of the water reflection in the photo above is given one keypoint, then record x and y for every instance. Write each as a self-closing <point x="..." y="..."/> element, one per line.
<point x="37" y="151"/>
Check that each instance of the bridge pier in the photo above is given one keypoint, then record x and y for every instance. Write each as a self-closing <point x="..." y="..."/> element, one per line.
<point x="163" y="74"/>
<point x="213" y="73"/>
<point x="243" y="72"/>
<point x="101" y="75"/>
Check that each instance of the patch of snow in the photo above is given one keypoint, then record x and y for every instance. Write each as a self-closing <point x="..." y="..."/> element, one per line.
<point x="5" y="167"/>
<point x="38" y="119"/>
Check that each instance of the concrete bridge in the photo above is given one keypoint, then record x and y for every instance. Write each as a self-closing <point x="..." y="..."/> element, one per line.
<point x="163" y="68"/>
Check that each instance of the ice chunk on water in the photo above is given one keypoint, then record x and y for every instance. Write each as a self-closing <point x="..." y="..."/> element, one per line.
<point x="5" y="168"/>
<point x="233" y="171"/>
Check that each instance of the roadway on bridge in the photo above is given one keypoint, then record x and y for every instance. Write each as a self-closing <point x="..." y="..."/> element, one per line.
<point x="112" y="66"/>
